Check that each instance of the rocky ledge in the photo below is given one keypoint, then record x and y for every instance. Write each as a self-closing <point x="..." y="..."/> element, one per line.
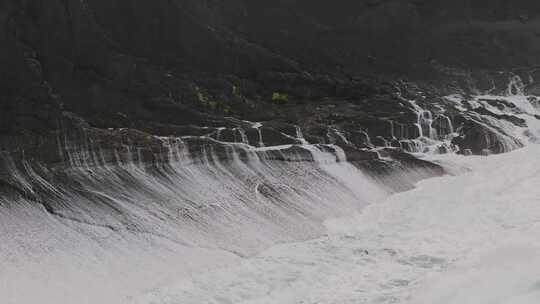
<point x="119" y="76"/>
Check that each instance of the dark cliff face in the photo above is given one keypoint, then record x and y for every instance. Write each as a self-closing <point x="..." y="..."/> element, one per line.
<point x="157" y="65"/>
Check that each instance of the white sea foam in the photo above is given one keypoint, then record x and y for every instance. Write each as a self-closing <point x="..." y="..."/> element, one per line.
<point x="473" y="238"/>
<point x="102" y="233"/>
<point x="245" y="226"/>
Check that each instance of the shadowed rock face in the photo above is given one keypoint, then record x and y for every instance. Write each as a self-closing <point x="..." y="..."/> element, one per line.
<point x="170" y="67"/>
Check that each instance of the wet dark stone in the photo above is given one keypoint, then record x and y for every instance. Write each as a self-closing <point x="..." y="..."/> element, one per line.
<point x="478" y="138"/>
<point x="511" y="118"/>
<point x="500" y="104"/>
<point x="292" y="154"/>
<point x="354" y="154"/>
<point x="119" y="72"/>
<point x="379" y="141"/>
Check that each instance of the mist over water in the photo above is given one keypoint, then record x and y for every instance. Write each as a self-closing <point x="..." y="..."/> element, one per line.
<point x="233" y="223"/>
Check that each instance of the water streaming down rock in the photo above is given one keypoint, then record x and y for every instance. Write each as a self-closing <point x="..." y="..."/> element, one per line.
<point x="229" y="193"/>
<point x="425" y="119"/>
<point x="429" y="133"/>
<point x="243" y="136"/>
<point x="300" y="136"/>
<point x="479" y="124"/>
<point x="451" y="240"/>
<point x="197" y="191"/>
<point x="516" y="87"/>
<point x="367" y="138"/>
<point x="497" y="123"/>
<point x="234" y="187"/>
<point x="443" y="127"/>
<point x="336" y="135"/>
<point x="181" y="197"/>
<point x="257" y="127"/>
<point x="218" y="132"/>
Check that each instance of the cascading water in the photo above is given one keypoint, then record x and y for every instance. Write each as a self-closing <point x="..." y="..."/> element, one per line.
<point x="257" y="126"/>
<point x="444" y="127"/>
<point x="516" y="87"/>
<point x="300" y="136"/>
<point x="243" y="136"/>
<point x="453" y="240"/>
<point x="203" y="210"/>
<point x="511" y="120"/>
<point x="456" y="239"/>
<point x="499" y="123"/>
<point x="200" y="197"/>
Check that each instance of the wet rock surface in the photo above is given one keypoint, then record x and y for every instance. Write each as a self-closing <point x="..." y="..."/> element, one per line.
<point x="117" y="71"/>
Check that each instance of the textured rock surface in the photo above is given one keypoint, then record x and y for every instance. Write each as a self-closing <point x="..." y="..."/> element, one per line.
<point x="177" y="67"/>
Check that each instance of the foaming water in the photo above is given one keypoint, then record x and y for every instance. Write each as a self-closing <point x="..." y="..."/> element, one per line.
<point x="208" y="221"/>
<point x="455" y="239"/>
<point x="513" y="118"/>
<point x="99" y="231"/>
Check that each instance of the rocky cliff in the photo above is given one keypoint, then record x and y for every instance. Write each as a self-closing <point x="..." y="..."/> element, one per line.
<point x="179" y="67"/>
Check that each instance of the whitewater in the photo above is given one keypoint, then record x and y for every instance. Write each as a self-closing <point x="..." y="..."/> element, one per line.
<point x="473" y="237"/>
<point x="218" y="222"/>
